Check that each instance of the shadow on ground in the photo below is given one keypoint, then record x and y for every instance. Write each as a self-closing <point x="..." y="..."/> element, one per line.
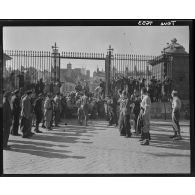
<point x="163" y="141"/>
<point x="42" y="151"/>
<point x="169" y="155"/>
<point x="57" y="138"/>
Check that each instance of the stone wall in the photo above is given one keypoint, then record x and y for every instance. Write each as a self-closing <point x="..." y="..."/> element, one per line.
<point x="180" y="75"/>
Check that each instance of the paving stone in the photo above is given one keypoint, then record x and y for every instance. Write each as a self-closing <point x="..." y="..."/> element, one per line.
<point x="98" y="149"/>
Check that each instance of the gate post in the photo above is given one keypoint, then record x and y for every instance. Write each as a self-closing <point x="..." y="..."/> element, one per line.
<point x="107" y="70"/>
<point x="56" y="56"/>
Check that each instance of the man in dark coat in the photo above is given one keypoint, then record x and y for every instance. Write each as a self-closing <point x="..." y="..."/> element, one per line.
<point x="15" y="107"/>
<point x="38" y="112"/>
<point x="7" y="119"/>
<point x="26" y="114"/>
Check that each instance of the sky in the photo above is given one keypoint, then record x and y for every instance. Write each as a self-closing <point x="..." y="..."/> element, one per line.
<point x="123" y="39"/>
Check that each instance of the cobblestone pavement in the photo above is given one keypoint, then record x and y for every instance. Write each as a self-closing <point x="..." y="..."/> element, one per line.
<point x="98" y="149"/>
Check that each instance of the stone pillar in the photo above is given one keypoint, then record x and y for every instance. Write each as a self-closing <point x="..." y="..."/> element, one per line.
<point x="180" y="75"/>
<point x="179" y="68"/>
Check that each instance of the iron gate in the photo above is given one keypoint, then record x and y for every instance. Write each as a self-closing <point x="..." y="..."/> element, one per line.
<point x="34" y="65"/>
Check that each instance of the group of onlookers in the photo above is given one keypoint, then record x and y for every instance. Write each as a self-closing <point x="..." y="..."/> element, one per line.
<point x="157" y="90"/>
<point x="34" y="107"/>
<point x="31" y="109"/>
<point x="124" y="108"/>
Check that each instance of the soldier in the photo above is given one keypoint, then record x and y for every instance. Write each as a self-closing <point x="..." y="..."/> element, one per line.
<point x="38" y="112"/>
<point x="176" y="106"/>
<point x="7" y="119"/>
<point x="16" y="109"/>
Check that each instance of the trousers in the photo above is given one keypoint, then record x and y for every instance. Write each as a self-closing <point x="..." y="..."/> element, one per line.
<point x="48" y="118"/>
<point x="175" y="122"/>
<point x="25" y="125"/>
<point x="124" y="124"/>
<point x="15" y="124"/>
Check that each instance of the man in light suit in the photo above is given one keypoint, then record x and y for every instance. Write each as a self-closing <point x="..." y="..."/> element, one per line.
<point x="26" y="114"/>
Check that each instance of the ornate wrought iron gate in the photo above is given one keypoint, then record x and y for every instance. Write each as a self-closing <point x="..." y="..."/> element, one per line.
<point x="34" y="65"/>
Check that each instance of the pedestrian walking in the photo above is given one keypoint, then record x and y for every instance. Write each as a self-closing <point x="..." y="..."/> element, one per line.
<point x="176" y="106"/>
<point x="7" y="119"/>
<point x="16" y="109"/>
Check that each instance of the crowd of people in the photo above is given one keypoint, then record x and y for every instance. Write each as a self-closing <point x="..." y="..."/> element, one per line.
<point x="132" y="101"/>
<point x="136" y="107"/>
<point x="158" y="90"/>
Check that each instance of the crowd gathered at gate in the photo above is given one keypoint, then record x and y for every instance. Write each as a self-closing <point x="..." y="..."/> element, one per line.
<point x="129" y="99"/>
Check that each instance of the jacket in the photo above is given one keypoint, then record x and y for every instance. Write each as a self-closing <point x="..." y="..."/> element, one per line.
<point x="26" y="107"/>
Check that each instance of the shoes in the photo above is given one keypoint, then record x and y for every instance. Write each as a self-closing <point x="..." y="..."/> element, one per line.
<point x="37" y="131"/>
<point x="121" y="134"/>
<point x="177" y="137"/>
<point x="128" y="136"/>
<point x="145" y="142"/>
<point x="65" y="124"/>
